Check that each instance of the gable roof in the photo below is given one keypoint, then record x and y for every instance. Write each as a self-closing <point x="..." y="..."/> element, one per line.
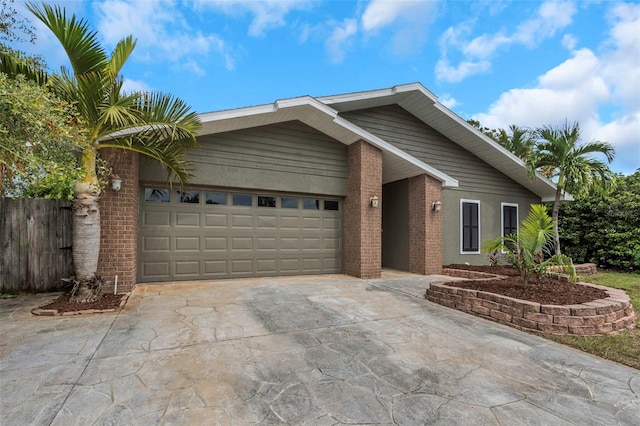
<point x="323" y="114"/>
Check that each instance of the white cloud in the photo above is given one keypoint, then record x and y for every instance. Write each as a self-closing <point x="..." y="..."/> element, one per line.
<point x="569" y="41"/>
<point x="410" y="20"/>
<point x="340" y="38"/>
<point x="600" y="91"/>
<point x="129" y="86"/>
<point x="453" y="74"/>
<point x="448" y="101"/>
<point x="572" y="90"/>
<point x="551" y="17"/>
<point x="161" y="31"/>
<point x="267" y="14"/>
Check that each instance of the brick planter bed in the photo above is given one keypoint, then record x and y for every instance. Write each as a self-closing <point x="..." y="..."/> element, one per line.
<point x="602" y="316"/>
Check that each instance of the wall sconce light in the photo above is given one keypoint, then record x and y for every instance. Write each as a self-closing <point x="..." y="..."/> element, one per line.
<point x="116" y="183"/>
<point x="373" y="201"/>
<point x="436" y="206"/>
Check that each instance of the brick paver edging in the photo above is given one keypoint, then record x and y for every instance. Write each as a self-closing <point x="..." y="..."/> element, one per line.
<point x="602" y="316"/>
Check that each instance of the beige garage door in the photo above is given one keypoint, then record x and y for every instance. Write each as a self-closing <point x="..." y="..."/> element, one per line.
<point x="208" y="234"/>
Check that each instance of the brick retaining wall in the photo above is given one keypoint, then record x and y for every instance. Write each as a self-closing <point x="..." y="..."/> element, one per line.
<point x="609" y="315"/>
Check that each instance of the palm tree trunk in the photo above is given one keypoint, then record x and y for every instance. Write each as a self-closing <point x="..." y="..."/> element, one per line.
<point x="85" y="239"/>
<point x="555" y="215"/>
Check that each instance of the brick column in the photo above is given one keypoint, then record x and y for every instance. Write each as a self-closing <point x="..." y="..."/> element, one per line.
<point x="362" y="223"/>
<point x="119" y="222"/>
<point x="425" y="226"/>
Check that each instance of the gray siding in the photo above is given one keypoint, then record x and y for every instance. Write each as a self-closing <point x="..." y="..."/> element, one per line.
<point x="288" y="156"/>
<point x="395" y="225"/>
<point x="490" y="221"/>
<point x="398" y="127"/>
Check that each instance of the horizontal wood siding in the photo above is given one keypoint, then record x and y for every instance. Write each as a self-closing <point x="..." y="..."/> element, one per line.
<point x="398" y="127"/>
<point x="35" y="245"/>
<point x="288" y="156"/>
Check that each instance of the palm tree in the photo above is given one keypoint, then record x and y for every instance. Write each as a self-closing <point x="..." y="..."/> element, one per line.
<point x="518" y="141"/>
<point x="559" y="152"/>
<point x="157" y="125"/>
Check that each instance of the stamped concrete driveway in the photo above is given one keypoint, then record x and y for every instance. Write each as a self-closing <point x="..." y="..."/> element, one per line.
<point x="320" y="350"/>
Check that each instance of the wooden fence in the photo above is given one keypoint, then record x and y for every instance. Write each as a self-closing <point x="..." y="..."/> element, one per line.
<point x="35" y="245"/>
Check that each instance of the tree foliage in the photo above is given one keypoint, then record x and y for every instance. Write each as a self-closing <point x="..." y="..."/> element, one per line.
<point x="530" y="249"/>
<point x="605" y="228"/>
<point x="38" y="141"/>
<point x="571" y="164"/>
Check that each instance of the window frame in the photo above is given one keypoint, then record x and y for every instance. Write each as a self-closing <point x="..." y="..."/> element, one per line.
<point x="462" y="203"/>
<point x="502" y="206"/>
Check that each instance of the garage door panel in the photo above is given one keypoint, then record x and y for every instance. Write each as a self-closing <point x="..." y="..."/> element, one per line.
<point x="267" y="266"/>
<point x="289" y="243"/>
<point x="242" y="221"/>
<point x="187" y="219"/>
<point x="267" y="222"/>
<point x="216" y="220"/>
<point x="156" y="269"/>
<point x="187" y="244"/>
<point x="242" y="243"/>
<point x="156" y="218"/>
<point x="161" y="243"/>
<point x="215" y="267"/>
<point x="187" y="268"/>
<point x="241" y="266"/>
<point x="267" y="243"/>
<point x="289" y="265"/>
<point x="215" y="243"/>
<point x="331" y="223"/>
<point x="188" y="241"/>
<point x="311" y="223"/>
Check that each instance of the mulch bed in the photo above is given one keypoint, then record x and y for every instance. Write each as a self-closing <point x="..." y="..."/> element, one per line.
<point x="543" y="290"/>
<point x="62" y="304"/>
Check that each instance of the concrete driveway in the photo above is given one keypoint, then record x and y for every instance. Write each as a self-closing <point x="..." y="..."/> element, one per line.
<point x="319" y="350"/>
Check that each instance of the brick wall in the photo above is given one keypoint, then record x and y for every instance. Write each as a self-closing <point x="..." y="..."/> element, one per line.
<point x="119" y="223"/>
<point x="425" y="226"/>
<point x="362" y="223"/>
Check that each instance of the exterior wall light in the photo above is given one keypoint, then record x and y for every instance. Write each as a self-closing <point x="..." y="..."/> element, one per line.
<point x="373" y="201"/>
<point x="436" y="206"/>
<point x="116" y="183"/>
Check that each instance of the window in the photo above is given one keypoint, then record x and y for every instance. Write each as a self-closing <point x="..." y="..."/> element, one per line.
<point x="156" y="195"/>
<point x="509" y="218"/>
<point x="330" y="205"/>
<point x="470" y="226"/>
<point x="242" y="200"/>
<point x="289" y="203"/>
<point x="191" y="197"/>
<point x="216" y="198"/>
<point x="266" y="201"/>
<point x="310" y="204"/>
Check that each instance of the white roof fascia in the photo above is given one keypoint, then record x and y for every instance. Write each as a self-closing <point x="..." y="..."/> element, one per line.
<point x="447" y="181"/>
<point x="379" y="93"/>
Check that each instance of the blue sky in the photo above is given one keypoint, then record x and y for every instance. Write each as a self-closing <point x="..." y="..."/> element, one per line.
<point x="501" y="62"/>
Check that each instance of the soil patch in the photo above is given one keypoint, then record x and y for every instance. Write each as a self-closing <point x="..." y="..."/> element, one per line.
<point x="543" y="290"/>
<point x="62" y="304"/>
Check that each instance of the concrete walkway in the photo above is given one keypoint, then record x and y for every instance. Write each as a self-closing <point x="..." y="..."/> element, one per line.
<point x="320" y="350"/>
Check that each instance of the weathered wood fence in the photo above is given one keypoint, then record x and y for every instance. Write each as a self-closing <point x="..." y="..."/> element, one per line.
<point x="35" y="245"/>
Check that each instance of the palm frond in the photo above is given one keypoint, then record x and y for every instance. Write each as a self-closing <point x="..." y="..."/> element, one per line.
<point x="79" y="42"/>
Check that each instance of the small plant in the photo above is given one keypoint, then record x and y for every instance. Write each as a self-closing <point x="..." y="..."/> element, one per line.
<point x="528" y="249"/>
<point x="494" y="258"/>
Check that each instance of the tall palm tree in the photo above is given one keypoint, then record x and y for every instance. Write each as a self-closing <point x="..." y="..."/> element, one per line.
<point x="157" y="125"/>
<point x="559" y="152"/>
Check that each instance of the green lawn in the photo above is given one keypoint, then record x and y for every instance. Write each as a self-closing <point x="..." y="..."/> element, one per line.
<point x="623" y="347"/>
